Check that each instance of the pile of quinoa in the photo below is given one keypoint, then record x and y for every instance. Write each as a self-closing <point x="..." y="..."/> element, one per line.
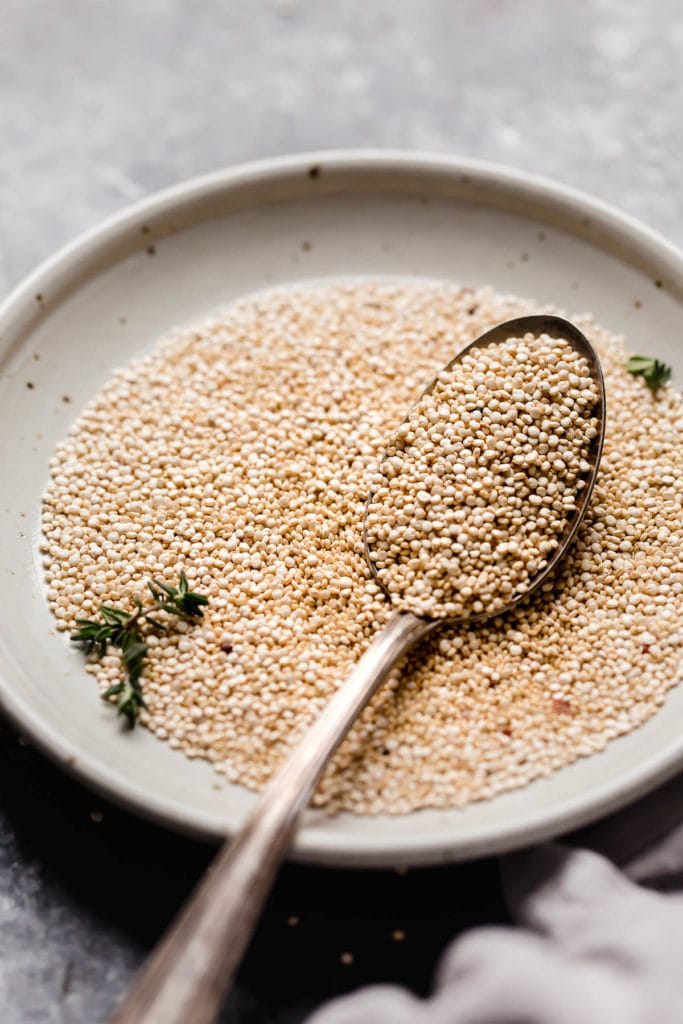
<point x="243" y="451"/>
<point x="479" y="483"/>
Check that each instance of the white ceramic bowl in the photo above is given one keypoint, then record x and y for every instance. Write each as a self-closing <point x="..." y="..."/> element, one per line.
<point x="180" y="254"/>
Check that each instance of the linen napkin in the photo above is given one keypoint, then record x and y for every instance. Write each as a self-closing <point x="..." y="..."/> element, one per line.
<point x="597" y="936"/>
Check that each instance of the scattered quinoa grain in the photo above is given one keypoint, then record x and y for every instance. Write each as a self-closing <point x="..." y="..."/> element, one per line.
<point x="244" y="448"/>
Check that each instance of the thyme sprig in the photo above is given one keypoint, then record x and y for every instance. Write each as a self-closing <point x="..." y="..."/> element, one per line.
<point x="653" y="371"/>
<point x="124" y="629"/>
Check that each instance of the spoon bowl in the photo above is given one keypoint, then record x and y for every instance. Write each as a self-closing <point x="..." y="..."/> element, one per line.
<point x="538" y="326"/>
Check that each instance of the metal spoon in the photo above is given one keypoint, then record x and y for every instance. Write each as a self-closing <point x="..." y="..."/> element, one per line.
<point x="191" y="969"/>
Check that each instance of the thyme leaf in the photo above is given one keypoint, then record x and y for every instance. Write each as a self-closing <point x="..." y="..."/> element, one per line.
<point x="653" y="371"/>
<point x="124" y="630"/>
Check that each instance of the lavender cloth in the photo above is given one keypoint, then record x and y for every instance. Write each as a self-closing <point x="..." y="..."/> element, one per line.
<point x="593" y="942"/>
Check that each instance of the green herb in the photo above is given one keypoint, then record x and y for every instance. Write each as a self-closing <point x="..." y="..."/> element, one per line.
<point x="124" y="630"/>
<point x="654" y="372"/>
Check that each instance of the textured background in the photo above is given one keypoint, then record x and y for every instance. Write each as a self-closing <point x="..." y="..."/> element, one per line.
<point x="102" y="103"/>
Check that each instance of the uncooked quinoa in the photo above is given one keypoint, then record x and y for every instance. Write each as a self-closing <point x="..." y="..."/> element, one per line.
<point x="480" y="480"/>
<point x="243" y="450"/>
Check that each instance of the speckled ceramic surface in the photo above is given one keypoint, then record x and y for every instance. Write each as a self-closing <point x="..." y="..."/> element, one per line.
<point x="181" y="254"/>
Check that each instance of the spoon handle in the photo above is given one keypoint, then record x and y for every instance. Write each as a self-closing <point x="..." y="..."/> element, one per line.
<point x="187" y="975"/>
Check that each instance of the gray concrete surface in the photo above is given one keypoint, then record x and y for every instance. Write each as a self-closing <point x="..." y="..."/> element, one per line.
<point x="101" y="103"/>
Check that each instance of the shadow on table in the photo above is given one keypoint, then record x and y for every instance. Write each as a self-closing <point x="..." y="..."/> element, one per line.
<point x="324" y="931"/>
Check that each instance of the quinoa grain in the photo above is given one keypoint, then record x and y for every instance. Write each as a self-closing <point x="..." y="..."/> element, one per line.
<point x="243" y="450"/>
